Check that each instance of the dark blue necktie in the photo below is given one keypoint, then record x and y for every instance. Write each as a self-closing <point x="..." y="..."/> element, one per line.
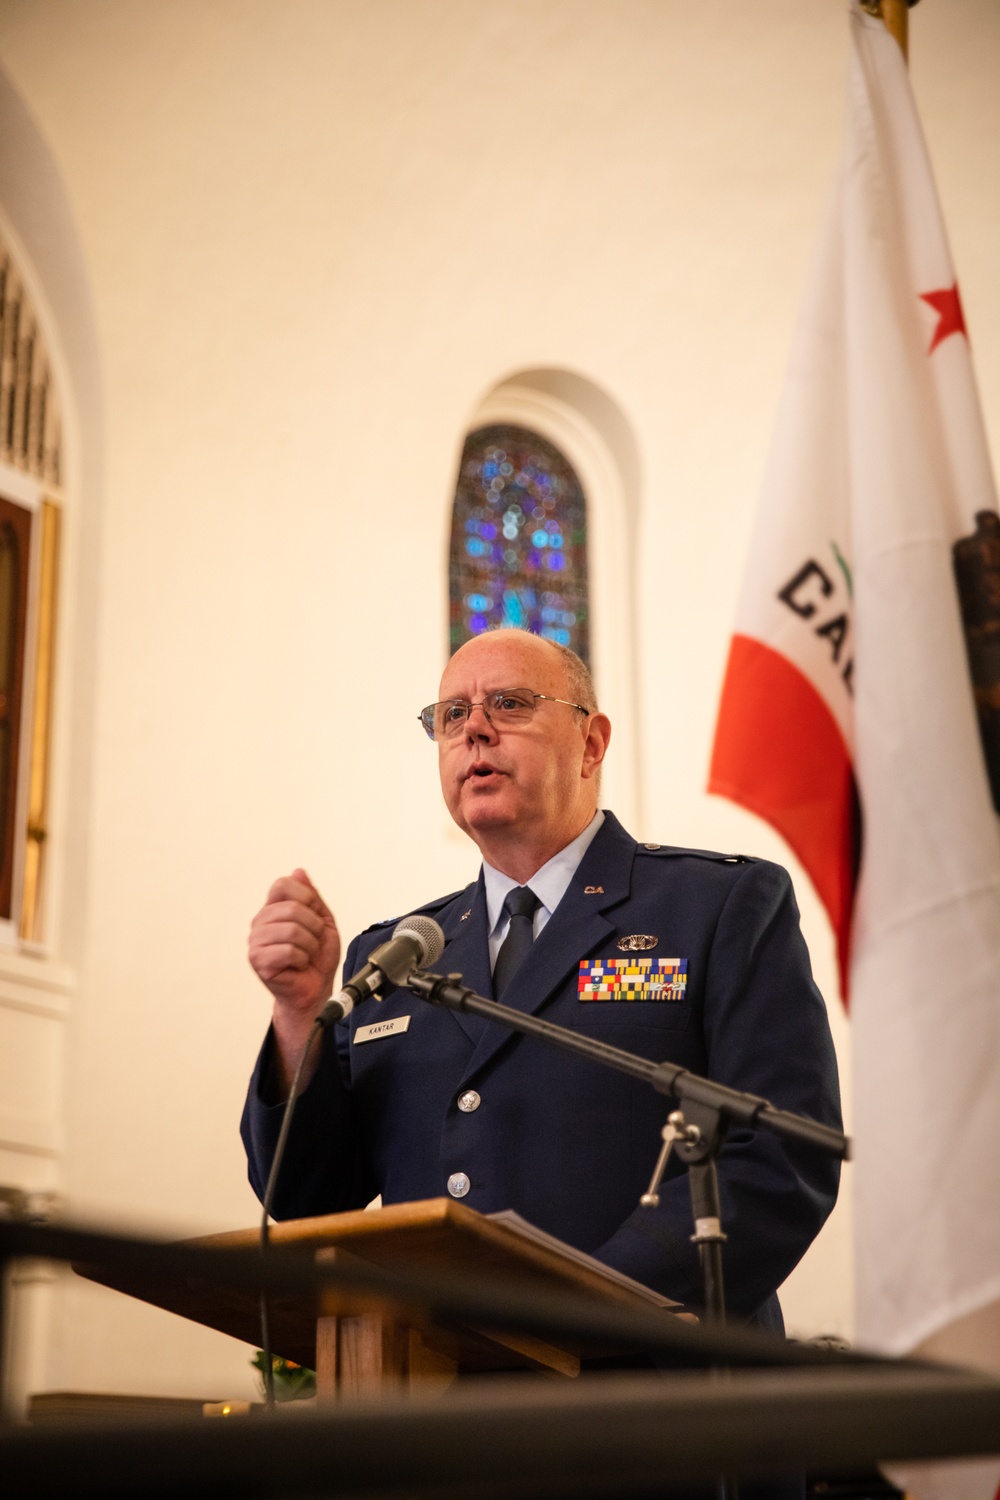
<point x="520" y="905"/>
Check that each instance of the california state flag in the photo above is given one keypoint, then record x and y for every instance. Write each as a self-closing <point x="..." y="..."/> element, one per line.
<point x="861" y="713"/>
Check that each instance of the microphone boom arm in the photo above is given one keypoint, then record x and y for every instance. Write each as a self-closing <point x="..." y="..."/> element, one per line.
<point x="448" y="991"/>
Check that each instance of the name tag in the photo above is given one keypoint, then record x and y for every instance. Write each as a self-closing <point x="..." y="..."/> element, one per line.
<point x="381" y="1028"/>
<point x="633" y="979"/>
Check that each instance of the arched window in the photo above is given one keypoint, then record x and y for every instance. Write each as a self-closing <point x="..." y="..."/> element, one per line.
<point x="30" y="492"/>
<point x="518" y="540"/>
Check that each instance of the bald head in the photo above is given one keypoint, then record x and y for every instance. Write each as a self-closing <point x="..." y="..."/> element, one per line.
<point x="577" y="682"/>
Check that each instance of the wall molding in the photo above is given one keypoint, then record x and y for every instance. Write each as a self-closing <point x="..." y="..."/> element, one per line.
<point x="29" y="1135"/>
<point x="38" y="987"/>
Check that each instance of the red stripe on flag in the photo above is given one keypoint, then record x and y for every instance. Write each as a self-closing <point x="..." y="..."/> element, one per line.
<point x="779" y="752"/>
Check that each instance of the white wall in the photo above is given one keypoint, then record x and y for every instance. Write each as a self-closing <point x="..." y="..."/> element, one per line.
<point x="317" y="234"/>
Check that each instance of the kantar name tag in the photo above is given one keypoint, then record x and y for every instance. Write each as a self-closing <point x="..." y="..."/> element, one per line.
<point x="380" y="1029"/>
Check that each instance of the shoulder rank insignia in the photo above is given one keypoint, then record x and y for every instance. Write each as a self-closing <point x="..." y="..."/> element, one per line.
<point x="632" y="979"/>
<point x="637" y="942"/>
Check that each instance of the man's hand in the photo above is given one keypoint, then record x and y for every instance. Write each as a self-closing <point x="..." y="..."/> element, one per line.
<point x="294" y="950"/>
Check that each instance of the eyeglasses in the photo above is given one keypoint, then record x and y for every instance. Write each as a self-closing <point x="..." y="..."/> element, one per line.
<point x="507" y="708"/>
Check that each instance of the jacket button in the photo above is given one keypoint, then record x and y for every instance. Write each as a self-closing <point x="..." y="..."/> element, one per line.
<point x="458" y="1184"/>
<point x="469" y="1101"/>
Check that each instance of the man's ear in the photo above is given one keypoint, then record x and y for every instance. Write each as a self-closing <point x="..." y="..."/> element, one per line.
<point x="598" y="738"/>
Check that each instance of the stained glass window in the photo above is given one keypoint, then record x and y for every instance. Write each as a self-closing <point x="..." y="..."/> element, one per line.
<point x="518" y="540"/>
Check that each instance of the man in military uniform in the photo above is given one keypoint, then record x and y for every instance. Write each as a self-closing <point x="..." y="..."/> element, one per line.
<point x="671" y="953"/>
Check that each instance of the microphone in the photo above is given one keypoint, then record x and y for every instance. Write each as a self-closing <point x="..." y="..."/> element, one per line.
<point x="415" y="941"/>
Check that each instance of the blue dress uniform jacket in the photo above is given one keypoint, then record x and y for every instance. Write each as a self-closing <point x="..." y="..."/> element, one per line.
<point x="568" y="1144"/>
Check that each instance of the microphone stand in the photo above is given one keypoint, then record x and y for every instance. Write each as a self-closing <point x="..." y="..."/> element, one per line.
<point x="696" y="1131"/>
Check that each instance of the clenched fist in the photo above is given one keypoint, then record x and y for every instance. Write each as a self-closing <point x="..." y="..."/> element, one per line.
<point x="295" y="950"/>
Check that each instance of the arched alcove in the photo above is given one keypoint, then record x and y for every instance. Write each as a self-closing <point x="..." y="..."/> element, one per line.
<point x="45" y="459"/>
<point x="583" y="422"/>
<point x="38" y="226"/>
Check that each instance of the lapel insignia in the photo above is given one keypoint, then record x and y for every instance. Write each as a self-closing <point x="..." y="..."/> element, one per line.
<point x="637" y="942"/>
<point x="466" y="915"/>
<point x="593" y="890"/>
<point x="632" y="979"/>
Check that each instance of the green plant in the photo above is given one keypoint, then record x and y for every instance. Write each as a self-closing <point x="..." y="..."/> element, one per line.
<point x="292" y="1382"/>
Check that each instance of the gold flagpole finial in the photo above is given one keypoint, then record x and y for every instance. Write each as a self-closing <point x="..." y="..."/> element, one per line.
<point x="894" y="17"/>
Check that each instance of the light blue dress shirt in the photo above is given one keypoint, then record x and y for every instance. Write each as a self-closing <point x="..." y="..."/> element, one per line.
<point x="549" y="884"/>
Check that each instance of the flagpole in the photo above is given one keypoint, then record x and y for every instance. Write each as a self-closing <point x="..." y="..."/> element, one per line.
<point x="894" y="15"/>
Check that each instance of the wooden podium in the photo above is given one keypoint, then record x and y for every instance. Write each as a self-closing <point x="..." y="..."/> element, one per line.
<point x="362" y="1351"/>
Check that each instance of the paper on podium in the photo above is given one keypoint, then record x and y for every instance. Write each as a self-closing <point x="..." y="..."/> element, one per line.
<point x="535" y="1236"/>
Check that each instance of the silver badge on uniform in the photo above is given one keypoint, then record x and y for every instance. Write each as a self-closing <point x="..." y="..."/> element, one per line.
<point x="381" y="1028"/>
<point x="637" y="942"/>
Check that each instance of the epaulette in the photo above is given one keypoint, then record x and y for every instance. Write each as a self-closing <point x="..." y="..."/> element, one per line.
<point x="673" y="851"/>
<point x="429" y="907"/>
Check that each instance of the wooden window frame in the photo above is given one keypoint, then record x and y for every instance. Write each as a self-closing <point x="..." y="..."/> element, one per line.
<point x="21" y="865"/>
<point x="17" y="522"/>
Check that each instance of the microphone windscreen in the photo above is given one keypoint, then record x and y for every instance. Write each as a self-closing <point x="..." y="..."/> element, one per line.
<point x="428" y="934"/>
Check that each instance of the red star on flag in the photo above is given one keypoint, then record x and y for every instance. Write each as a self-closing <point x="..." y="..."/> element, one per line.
<point x="948" y="306"/>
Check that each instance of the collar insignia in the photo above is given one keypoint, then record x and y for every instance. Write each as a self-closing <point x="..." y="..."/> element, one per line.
<point x="466" y="915"/>
<point x="593" y="890"/>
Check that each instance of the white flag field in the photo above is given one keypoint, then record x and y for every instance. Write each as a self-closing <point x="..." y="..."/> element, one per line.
<point x="860" y="715"/>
